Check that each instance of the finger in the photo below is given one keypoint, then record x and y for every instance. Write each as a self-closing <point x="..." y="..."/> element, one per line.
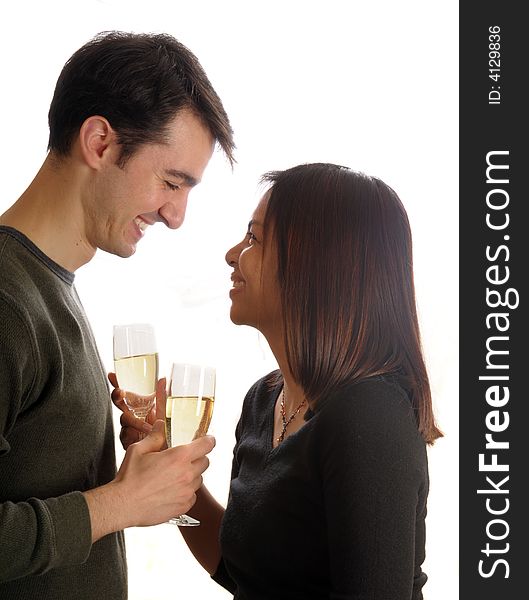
<point x="199" y="447"/>
<point x="151" y="416"/>
<point x="128" y="420"/>
<point x="113" y="380"/>
<point x="200" y="465"/>
<point x="155" y="441"/>
<point x="118" y="398"/>
<point x="161" y="399"/>
<point x="197" y="482"/>
<point x="128" y="436"/>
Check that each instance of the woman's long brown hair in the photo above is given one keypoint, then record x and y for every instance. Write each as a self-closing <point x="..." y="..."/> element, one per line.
<point x="346" y="276"/>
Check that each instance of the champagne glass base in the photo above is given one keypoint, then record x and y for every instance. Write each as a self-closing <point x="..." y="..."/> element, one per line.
<point x="184" y="521"/>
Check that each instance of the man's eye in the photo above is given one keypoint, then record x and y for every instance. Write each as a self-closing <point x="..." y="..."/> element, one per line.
<point x="172" y="186"/>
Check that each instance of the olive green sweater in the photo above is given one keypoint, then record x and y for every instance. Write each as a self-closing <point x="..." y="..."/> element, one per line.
<point x="56" y="436"/>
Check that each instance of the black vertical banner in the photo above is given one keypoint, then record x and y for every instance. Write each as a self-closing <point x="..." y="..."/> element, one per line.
<point x="494" y="269"/>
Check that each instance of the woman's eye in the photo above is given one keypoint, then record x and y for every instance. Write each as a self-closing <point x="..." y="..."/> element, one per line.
<point x="251" y="237"/>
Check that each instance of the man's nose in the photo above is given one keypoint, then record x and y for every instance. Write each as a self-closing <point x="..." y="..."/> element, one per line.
<point x="173" y="213"/>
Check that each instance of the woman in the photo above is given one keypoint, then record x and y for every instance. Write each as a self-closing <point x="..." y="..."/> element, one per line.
<point x="329" y="481"/>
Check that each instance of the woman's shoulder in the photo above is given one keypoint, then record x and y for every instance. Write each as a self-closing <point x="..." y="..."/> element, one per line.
<point x="372" y="422"/>
<point x="379" y="403"/>
<point x="379" y="390"/>
<point x="262" y="392"/>
<point x="266" y="385"/>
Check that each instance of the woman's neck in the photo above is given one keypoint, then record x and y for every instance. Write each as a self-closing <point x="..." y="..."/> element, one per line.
<point x="294" y="394"/>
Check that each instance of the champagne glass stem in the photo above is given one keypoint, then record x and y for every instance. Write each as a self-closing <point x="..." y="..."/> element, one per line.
<point x="142" y="416"/>
<point x="141" y="434"/>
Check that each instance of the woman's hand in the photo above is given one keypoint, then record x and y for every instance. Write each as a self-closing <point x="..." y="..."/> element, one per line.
<point x="132" y="428"/>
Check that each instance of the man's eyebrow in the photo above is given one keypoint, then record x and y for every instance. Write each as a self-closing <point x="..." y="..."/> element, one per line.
<point x="182" y="175"/>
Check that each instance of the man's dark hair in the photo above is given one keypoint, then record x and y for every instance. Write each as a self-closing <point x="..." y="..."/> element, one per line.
<point x="138" y="82"/>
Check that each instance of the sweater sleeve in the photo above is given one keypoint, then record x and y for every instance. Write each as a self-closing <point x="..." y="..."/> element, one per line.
<point x="35" y="534"/>
<point x="18" y="368"/>
<point x="373" y="472"/>
<point x="39" y="535"/>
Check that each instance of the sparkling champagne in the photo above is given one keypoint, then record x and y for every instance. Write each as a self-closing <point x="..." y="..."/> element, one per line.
<point x="137" y="376"/>
<point x="187" y="418"/>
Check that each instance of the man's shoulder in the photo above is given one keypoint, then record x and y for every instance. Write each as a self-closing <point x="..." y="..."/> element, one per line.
<point x="16" y="265"/>
<point x="25" y="268"/>
<point x="27" y="287"/>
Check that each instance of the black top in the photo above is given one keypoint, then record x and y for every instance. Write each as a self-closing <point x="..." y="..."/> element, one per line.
<point x="335" y="511"/>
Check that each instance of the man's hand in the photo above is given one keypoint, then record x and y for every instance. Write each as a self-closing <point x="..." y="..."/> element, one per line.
<point x="152" y="484"/>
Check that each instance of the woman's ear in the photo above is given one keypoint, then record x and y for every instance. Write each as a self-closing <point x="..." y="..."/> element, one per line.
<point x="96" y="138"/>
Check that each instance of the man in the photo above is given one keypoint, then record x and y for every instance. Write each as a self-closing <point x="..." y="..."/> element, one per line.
<point x="133" y="124"/>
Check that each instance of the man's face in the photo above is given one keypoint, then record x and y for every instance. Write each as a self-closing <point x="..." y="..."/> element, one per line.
<point x="152" y="187"/>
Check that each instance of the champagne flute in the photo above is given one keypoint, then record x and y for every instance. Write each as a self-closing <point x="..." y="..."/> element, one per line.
<point x="188" y="411"/>
<point x="136" y="365"/>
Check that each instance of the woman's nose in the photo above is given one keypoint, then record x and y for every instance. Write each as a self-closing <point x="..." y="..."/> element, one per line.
<point x="229" y="257"/>
<point x="232" y="256"/>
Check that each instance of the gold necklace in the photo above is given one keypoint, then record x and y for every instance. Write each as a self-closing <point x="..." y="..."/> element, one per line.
<point x="286" y="422"/>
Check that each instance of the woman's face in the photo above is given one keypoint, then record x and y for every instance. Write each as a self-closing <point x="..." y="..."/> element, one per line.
<point x="255" y="295"/>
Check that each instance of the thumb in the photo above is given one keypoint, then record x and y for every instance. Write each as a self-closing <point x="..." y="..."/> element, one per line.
<point x="161" y="398"/>
<point x="155" y="441"/>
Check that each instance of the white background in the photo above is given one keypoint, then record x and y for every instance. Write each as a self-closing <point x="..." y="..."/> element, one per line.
<point x="371" y="85"/>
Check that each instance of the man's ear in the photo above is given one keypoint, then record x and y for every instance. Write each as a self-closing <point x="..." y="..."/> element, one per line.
<point x="96" y="141"/>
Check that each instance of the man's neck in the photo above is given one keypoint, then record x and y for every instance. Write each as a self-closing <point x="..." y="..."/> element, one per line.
<point x="50" y="214"/>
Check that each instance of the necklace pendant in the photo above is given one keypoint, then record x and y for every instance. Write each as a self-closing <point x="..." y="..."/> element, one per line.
<point x="281" y="436"/>
<point x="286" y="422"/>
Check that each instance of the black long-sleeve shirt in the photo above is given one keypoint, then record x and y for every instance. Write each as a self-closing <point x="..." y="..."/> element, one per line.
<point x="337" y="510"/>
